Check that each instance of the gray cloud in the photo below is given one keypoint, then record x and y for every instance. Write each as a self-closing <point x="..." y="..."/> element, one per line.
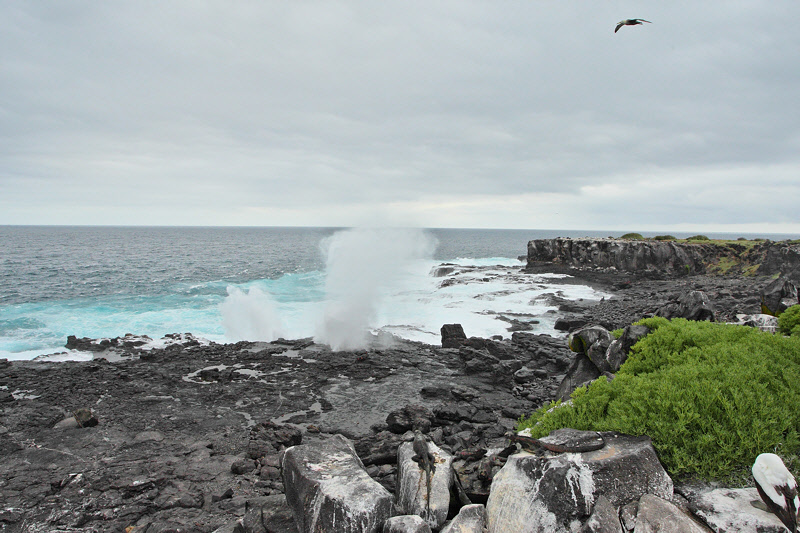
<point x="519" y="114"/>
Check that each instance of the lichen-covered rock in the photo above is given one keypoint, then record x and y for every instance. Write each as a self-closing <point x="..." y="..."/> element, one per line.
<point x="732" y="511"/>
<point x="329" y="489"/>
<point x="761" y="321"/>
<point x="470" y="519"/>
<point x="412" y="493"/>
<point x="657" y="515"/>
<point x="581" y="340"/>
<point x="556" y="492"/>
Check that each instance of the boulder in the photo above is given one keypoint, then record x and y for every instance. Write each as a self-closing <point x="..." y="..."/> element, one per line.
<point x="778" y="296"/>
<point x="406" y="524"/>
<point x="619" y="349"/>
<point x="569" y="323"/>
<point x="604" y="519"/>
<point x="329" y="490"/>
<point x="554" y="492"/>
<point x="452" y="335"/>
<point x="656" y="515"/>
<point x="733" y="511"/>
<point x="580" y="372"/>
<point x="470" y="519"/>
<point x="410" y="417"/>
<point x="580" y="340"/>
<point x="597" y="354"/>
<point x="412" y="493"/>
<point x="692" y="305"/>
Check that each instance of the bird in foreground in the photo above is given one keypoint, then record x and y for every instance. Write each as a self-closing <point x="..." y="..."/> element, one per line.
<point x="630" y="22"/>
<point x="778" y="488"/>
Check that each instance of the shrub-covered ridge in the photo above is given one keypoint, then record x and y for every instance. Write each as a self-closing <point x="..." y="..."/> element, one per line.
<point x="711" y="396"/>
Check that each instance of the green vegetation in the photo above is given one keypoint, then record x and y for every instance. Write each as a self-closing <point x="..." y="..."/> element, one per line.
<point x="711" y="397"/>
<point x="617" y="333"/>
<point x="723" y="265"/>
<point x="665" y="238"/>
<point x="633" y="237"/>
<point x="698" y="238"/>
<point x="789" y="321"/>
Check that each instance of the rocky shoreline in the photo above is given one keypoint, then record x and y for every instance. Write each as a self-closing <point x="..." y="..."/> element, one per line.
<point x="189" y="437"/>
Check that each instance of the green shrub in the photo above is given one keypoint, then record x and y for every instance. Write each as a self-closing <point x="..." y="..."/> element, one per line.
<point x="789" y="320"/>
<point x="665" y="238"/>
<point x="633" y="236"/>
<point x="710" y="396"/>
<point x="617" y="333"/>
<point x="697" y="238"/>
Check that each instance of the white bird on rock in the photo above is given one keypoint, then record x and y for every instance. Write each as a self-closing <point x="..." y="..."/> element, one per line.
<point x="777" y="488"/>
<point x="630" y="22"/>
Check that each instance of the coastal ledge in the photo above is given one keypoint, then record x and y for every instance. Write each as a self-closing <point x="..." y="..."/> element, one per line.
<point x="667" y="259"/>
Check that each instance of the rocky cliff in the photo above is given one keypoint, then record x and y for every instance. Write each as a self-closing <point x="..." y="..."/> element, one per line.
<point x="668" y="258"/>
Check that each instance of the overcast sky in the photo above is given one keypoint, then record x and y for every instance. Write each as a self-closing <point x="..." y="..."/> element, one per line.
<point x="510" y="114"/>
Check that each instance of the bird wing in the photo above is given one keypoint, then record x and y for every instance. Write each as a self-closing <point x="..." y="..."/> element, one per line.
<point x="788" y="514"/>
<point x="619" y="25"/>
<point x="642" y="20"/>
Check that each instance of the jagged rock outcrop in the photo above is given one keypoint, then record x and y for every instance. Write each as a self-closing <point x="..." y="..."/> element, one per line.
<point x="666" y="258"/>
<point x="598" y="353"/>
<point x="655" y="257"/>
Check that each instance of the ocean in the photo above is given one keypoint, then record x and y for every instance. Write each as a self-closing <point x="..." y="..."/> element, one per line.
<point x="227" y="284"/>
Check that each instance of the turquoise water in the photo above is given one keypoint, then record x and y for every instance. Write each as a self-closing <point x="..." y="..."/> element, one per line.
<point x="228" y="284"/>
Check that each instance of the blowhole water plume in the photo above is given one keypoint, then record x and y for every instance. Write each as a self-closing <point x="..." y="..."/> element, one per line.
<point x="360" y="263"/>
<point x="251" y="315"/>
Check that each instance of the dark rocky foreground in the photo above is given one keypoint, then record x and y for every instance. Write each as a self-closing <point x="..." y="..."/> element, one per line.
<point x="188" y="438"/>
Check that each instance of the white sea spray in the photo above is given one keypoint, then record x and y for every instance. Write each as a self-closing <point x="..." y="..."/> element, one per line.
<point x="251" y="315"/>
<point x="360" y="263"/>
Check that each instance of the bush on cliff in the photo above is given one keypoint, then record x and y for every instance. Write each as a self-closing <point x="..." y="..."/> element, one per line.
<point x="789" y="321"/>
<point x="633" y="237"/>
<point x="665" y="238"/>
<point x="697" y="238"/>
<point x="711" y="396"/>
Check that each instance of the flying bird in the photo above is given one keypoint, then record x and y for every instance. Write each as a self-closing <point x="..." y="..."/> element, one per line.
<point x="778" y="488"/>
<point x="630" y="22"/>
